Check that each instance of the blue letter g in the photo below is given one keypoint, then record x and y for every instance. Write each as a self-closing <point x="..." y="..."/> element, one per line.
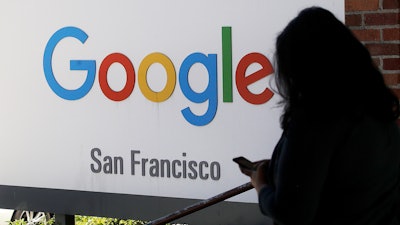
<point x="88" y="65"/>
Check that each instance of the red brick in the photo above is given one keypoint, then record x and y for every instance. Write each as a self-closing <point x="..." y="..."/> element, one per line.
<point x="391" y="79"/>
<point x="353" y="20"/>
<point x="391" y="34"/>
<point x="361" y="5"/>
<point x="391" y="64"/>
<point x="381" y="19"/>
<point x="383" y="49"/>
<point x="367" y="34"/>
<point x="391" y="4"/>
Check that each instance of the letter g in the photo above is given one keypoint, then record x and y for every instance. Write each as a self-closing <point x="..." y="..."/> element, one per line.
<point x="88" y="65"/>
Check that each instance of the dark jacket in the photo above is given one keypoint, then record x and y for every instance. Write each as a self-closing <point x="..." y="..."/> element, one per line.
<point x="340" y="171"/>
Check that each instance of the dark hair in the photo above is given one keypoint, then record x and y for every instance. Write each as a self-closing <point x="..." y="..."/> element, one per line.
<point x="324" y="70"/>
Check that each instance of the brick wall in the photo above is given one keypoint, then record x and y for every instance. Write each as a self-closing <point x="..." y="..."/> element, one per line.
<point x="376" y="24"/>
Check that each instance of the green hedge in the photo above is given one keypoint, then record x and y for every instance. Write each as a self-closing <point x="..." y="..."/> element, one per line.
<point x="84" y="220"/>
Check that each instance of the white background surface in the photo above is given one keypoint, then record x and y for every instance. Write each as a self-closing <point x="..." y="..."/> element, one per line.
<point x="45" y="141"/>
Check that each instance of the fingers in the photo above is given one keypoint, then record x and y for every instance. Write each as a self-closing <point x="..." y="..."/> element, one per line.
<point x="260" y="168"/>
<point x="264" y="165"/>
<point x="262" y="162"/>
<point x="246" y="171"/>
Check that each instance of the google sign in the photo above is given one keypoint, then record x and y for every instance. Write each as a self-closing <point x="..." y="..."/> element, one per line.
<point x="135" y="108"/>
<point x="209" y="61"/>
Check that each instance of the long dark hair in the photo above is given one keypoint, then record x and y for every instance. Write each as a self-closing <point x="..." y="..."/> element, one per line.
<point x="324" y="70"/>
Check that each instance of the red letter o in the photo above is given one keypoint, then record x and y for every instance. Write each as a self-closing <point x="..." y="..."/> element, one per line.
<point x="130" y="77"/>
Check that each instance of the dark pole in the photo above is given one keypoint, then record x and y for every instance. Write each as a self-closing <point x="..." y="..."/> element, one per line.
<point x="63" y="219"/>
<point x="201" y="205"/>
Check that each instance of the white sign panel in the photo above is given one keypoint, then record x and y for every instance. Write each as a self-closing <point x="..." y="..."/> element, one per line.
<point x="139" y="97"/>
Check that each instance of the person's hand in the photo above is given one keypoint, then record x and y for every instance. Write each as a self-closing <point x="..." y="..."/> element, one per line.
<point x="258" y="176"/>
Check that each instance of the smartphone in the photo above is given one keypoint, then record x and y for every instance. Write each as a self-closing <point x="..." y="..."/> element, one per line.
<point x="244" y="163"/>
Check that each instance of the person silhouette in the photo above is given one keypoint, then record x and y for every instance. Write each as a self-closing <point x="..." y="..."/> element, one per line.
<point x="338" y="159"/>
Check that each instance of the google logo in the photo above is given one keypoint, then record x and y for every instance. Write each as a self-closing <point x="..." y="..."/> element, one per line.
<point x="209" y="61"/>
